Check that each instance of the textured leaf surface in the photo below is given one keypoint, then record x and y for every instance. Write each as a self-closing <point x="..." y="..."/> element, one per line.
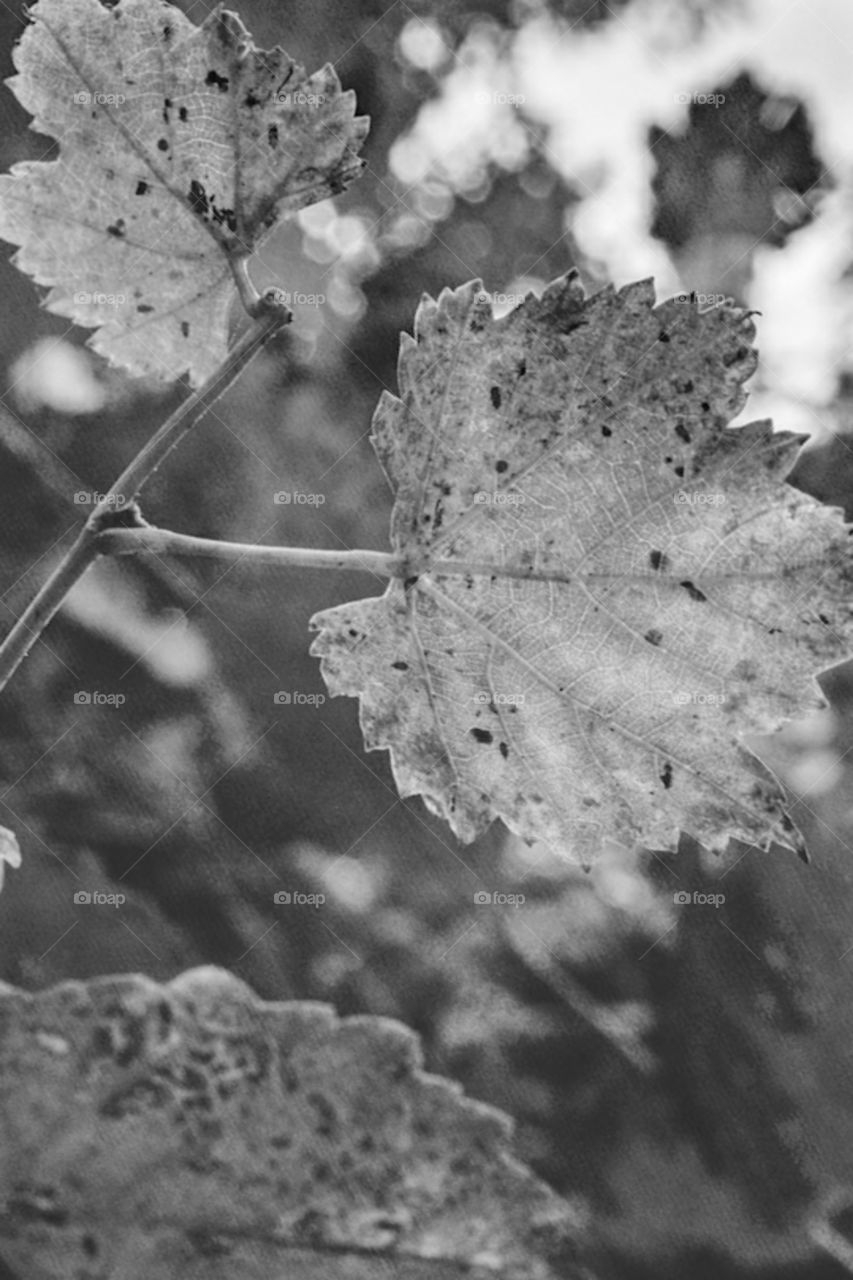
<point x="180" y="146"/>
<point x="608" y="586"/>
<point x="190" y="1130"/>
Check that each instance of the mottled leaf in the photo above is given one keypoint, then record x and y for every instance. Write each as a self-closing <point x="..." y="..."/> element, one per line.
<point x="155" y="1132"/>
<point x="607" y="586"/>
<point x="180" y="146"/>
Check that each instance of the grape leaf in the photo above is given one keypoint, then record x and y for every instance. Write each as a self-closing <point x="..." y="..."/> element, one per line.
<point x="180" y="147"/>
<point x="606" y="587"/>
<point x="190" y="1130"/>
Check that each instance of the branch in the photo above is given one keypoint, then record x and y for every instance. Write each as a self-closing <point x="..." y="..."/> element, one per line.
<point x="119" y="503"/>
<point x="148" y="540"/>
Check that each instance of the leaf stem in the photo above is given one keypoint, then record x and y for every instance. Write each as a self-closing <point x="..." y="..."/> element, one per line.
<point x="164" y="542"/>
<point x="117" y="506"/>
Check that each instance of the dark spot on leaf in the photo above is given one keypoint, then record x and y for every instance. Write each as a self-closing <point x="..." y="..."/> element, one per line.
<point x="705" y="406"/>
<point x="400" y="666"/>
<point x="693" y="592"/>
<point x="653" y="636"/>
<point x="679" y="471"/>
<point x="198" y="199"/>
<point x="824" y="619"/>
<point x="482" y="735"/>
<point x="162" y="144"/>
<point x="185" y="328"/>
<point x="272" y="135"/>
<point x="495" y="395"/>
<point x="221" y="82"/>
<point x="409" y="583"/>
<point x="663" y="337"/>
<point x="666" y="775"/>
<point x="251" y="100"/>
<point x="167" y="31"/>
<point x="144" y="307"/>
<point x="682" y="433"/>
<point x="605" y="431"/>
<point x="183" y="113"/>
<point x="117" y="229"/>
<point x="501" y="466"/>
<point x="658" y="560"/>
<point x="167" y="103"/>
<point x="142" y="188"/>
<point x="522" y="368"/>
<point x="504" y="749"/>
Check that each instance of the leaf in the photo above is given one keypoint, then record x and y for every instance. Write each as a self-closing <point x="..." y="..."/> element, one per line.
<point x="606" y="587"/>
<point x="190" y="1130"/>
<point x="180" y="147"/>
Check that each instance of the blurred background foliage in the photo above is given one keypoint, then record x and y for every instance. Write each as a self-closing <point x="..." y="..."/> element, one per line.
<point x="683" y="1074"/>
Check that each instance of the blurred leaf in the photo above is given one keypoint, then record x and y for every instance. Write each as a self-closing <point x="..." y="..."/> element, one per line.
<point x="189" y="1129"/>
<point x="192" y="147"/>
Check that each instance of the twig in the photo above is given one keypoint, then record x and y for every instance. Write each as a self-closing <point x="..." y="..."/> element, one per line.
<point x="118" y="505"/>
